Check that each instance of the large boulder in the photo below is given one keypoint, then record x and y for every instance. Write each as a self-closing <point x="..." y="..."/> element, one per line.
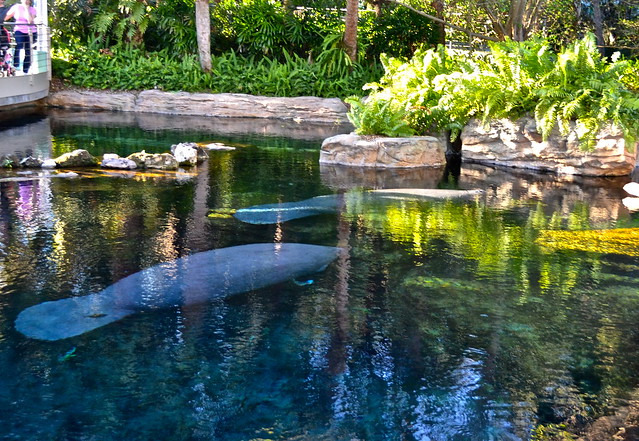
<point x="163" y="161"/>
<point x="189" y="153"/>
<point x="76" y="158"/>
<point x="518" y="144"/>
<point x="376" y="151"/>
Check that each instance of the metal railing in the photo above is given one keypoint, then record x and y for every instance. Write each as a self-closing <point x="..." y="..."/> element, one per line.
<point x="39" y="42"/>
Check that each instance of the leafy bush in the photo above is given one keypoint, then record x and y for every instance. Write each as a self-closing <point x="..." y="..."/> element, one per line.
<point x="441" y="90"/>
<point x="380" y="117"/>
<point x="397" y="32"/>
<point x="264" y="28"/>
<point x="133" y="69"/>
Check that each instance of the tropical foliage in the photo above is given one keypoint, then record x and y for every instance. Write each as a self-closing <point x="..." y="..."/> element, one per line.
<point x="440" y="90"/>
<point x="133" y="69"/>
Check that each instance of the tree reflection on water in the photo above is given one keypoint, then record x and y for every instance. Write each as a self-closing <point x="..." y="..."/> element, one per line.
<point x="443" y="320"/>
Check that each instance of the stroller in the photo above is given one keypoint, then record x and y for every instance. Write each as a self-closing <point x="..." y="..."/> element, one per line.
<point x="6" y="57"/>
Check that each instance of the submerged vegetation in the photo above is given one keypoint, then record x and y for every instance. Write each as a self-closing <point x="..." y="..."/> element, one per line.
<point x="440" y="89"/>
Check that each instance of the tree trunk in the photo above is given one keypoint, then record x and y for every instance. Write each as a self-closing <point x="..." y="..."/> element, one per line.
<point x="350" y="32"/>
<point x="203" y="31"/>
<point x="598" y="22"/>
<point x="515" y="22"/>
<point x="438" y="6"/>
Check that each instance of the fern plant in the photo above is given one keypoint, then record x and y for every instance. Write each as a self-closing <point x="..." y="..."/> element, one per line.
<point x="584" y="89"/>
<point x="127" y="23"/>
<point x="379" y="117"/>
<point x="441" y="90"/>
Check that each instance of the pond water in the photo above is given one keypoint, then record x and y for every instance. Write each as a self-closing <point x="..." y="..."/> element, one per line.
<point x="441" y="320"/>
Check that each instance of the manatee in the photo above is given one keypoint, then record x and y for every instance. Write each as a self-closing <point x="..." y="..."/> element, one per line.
<point x="427" y="193"/>
<point x="193" y="279"/>
<point x="285" y="211"/>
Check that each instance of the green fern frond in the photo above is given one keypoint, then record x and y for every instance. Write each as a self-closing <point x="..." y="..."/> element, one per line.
<point x="102" y="22"/>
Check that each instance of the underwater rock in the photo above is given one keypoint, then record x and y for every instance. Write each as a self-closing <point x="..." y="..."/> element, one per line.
<point x="285" y="211"/>
<point x="218" y="146"/>
<point x="76" y="158"/>
<point x="189" y="280"/>
<point x="624" y="241"/>
<point x="427" y="193"/>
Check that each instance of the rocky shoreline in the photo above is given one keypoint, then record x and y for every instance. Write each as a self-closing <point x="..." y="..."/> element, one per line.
<point x="511" y="144"/>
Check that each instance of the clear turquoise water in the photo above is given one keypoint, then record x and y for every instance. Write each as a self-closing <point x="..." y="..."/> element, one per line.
<point x="442" y="321"/>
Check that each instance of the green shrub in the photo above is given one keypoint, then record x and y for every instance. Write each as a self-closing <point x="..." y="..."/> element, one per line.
<point x="134" y="69"/>
<point x="378" y="118"/>
<point x="264" y="28"/>
<point x="397" y="32"/>
<point x="441" y="90"/>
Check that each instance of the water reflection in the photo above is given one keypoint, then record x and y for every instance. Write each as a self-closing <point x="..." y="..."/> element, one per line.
<point x="25" y="135"/>
<point x="442" y="320"/>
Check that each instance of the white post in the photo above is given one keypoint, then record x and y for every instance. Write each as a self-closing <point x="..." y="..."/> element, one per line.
<point x="44" y="39"/>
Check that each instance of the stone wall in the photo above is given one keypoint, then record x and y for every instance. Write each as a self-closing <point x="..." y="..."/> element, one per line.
<point x="518" y="144"/>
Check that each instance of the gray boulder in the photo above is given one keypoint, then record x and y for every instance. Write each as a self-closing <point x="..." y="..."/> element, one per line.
<point x="519" y="144"/>
<point x="163" y="161"/>
<point x="111" y="160"/>
<point x="30" y="162"/>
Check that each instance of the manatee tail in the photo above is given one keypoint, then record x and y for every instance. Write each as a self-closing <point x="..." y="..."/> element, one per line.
<point x="67" y="317"/>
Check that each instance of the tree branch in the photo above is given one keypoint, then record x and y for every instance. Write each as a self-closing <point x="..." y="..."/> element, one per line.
<point x="445" y="23"/>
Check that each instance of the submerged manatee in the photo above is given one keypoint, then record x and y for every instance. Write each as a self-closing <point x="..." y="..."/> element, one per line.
<point x="184" y="281"/>
<point x="285" y="211"/>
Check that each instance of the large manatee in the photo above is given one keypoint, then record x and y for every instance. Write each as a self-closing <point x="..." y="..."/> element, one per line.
<point x="188" y="280"/>
<point x="285" y="211"/>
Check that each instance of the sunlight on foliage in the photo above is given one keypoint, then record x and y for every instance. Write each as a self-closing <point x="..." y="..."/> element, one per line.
<point x="440" y="89"/>
<point x="616" y="241"/>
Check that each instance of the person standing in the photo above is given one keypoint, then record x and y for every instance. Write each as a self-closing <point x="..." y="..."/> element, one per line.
<point x="3" y="11"/>
<point x="24" y="31"/>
